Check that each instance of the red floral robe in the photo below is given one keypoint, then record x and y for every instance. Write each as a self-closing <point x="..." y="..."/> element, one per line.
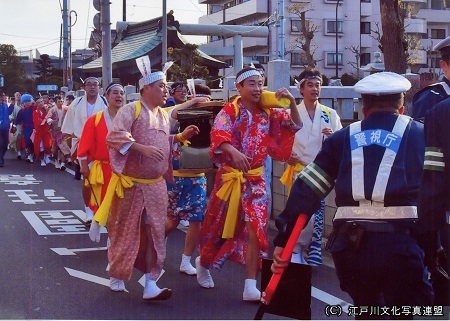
<point x="42" y="133"/>
<point x="92" y="146"/>
<point x="256" y="136"/>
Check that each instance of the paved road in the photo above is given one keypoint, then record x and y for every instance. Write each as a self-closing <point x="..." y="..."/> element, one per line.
<point x="52" y="270"/>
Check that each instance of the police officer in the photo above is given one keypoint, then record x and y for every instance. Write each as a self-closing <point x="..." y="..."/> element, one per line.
<point x="431" y="95"/>
<point x="434" y="204"/>
<point x="374" y="166"/>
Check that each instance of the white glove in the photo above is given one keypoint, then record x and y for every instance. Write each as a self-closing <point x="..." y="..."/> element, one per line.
<point x="49" y="121"/>
<point x="94" y="231"/>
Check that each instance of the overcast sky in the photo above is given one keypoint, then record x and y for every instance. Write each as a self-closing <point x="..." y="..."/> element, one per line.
<point x="36" y="24"/>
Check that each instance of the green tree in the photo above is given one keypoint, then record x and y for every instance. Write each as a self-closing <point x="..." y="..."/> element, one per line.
<point x="188" y="63"/>
<point x="44" y="68"/>
<point x="11" y="69"/>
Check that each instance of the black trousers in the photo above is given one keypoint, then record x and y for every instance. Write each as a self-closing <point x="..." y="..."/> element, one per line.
<point x="387" y="270"/>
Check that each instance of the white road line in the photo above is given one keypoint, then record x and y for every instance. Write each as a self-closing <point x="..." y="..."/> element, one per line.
<point x="88" y="277"/>
<point x="66" y="251"/>
<point x="329" y="299"/>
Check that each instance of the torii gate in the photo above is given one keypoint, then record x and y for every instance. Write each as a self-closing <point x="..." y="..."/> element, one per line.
<point x="237" y="32"/>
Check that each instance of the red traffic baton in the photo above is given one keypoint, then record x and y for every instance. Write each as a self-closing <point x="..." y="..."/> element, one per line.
<point x="286" y="254"/>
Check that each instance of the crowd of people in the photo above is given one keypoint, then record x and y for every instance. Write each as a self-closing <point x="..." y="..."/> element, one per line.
<point x="389" y="171"/>
<point x="32" y="128"/>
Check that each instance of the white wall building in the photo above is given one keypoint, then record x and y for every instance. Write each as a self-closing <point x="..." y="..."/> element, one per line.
<point x="428" y="19"/>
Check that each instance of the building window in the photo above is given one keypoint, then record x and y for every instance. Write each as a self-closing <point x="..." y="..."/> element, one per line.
<point x="215" y="38"/>
<point x="364" y="59"/>
<point x="298" y="59"/>
<point x="214" y="8"/>
<point x="437" y="33"/>
<point x="437" y="5"/>
<point x="331" y="59"/>
<point x="296" y="25"/>
<point x="331" y="27"/>
<point x="366" y="1"/>
<point x="365" y="28"/>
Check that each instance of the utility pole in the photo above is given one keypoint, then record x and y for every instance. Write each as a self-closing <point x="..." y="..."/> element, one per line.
<point x="337" y="52"/>
<point x="66" y="43"/>
<point x="105" y="15"/>
<point x="124" y="10"/>
<point x="164" y="33"/>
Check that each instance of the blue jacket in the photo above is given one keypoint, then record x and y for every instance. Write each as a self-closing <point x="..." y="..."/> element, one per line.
<point x="426" y="98"/>
<point x="435" y="188"/>
<point x="4" y="116"/>
<point x="333" y="165"/>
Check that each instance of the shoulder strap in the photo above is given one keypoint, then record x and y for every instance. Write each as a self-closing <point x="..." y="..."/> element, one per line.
<point x="98" y="116"/>
<point x="137" y="111"/>
<point x="79" y="99"/>
<point x="325" y="109"/>
<point x="446" y="87"/>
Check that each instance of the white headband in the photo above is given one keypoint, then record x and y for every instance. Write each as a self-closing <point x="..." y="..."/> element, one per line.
<point x="308" y="78"/>
<point x="246" y="74"/>
<point x="113" y="85"/>
<point x="151" y="78"/>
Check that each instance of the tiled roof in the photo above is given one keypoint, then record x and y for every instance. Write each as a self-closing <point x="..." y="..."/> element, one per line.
<point x="137" y="45"/>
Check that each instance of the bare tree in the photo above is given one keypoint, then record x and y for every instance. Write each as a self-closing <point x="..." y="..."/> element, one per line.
<point x="307" y="29"/>
<point x="392" y="42"/>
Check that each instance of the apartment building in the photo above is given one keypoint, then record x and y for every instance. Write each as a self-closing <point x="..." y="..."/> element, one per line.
<point x="344" y="40"/>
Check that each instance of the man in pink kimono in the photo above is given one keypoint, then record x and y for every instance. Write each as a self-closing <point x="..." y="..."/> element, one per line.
<point x="139" y="155"/>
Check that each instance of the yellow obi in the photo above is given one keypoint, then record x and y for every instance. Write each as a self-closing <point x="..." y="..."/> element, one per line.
<point x="187" y="174"/>
<point x="231" y="192"/>
<point x="95" y="181"/>
<point x="288" y="176"/>
<point x="117" y="184"/>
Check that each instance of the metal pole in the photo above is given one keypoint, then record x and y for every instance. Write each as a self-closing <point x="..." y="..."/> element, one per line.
<point x="336" y="26"/>
<point x="106" y="42"/>
<point x="164" y="33"/>
<point x="281" y="11"/>
<point x="124" y="10"/>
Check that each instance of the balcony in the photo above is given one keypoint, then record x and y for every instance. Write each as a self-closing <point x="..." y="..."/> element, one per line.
<point x="366" y="41"/>
<point x="415" y="25"/>
<point x="366" y="9"/>
<point x="252" y="10"/>
<point x="434" y="16"/>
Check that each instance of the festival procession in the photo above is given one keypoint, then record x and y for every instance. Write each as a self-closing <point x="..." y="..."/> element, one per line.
<point x="157" y="180"/>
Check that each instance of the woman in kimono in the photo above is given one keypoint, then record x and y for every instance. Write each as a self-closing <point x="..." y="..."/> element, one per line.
<point x="235" y="223"/>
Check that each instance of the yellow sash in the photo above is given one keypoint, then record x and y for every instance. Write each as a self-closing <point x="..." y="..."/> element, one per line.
<point x="288" y="176"/>
<point x="186" y="174"/>
<point x="231" y="192"/>
<point x="117" y="184"/>
<point x="96" y="181"/>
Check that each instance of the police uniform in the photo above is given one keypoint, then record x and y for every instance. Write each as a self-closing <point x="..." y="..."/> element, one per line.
<point x="432" y="94"/>
<point x="374" y="166"/>
<point x="432" y="207"/>
<point x="434" y="204"/>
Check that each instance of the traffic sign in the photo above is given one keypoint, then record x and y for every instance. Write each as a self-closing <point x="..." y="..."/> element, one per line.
<point x="47" y="87"/>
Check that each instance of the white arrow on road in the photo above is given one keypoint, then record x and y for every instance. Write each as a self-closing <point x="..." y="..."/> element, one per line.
<point x="102" y="281"/>
<point x="66" y="251"/>
<point x="88" y="277"/>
